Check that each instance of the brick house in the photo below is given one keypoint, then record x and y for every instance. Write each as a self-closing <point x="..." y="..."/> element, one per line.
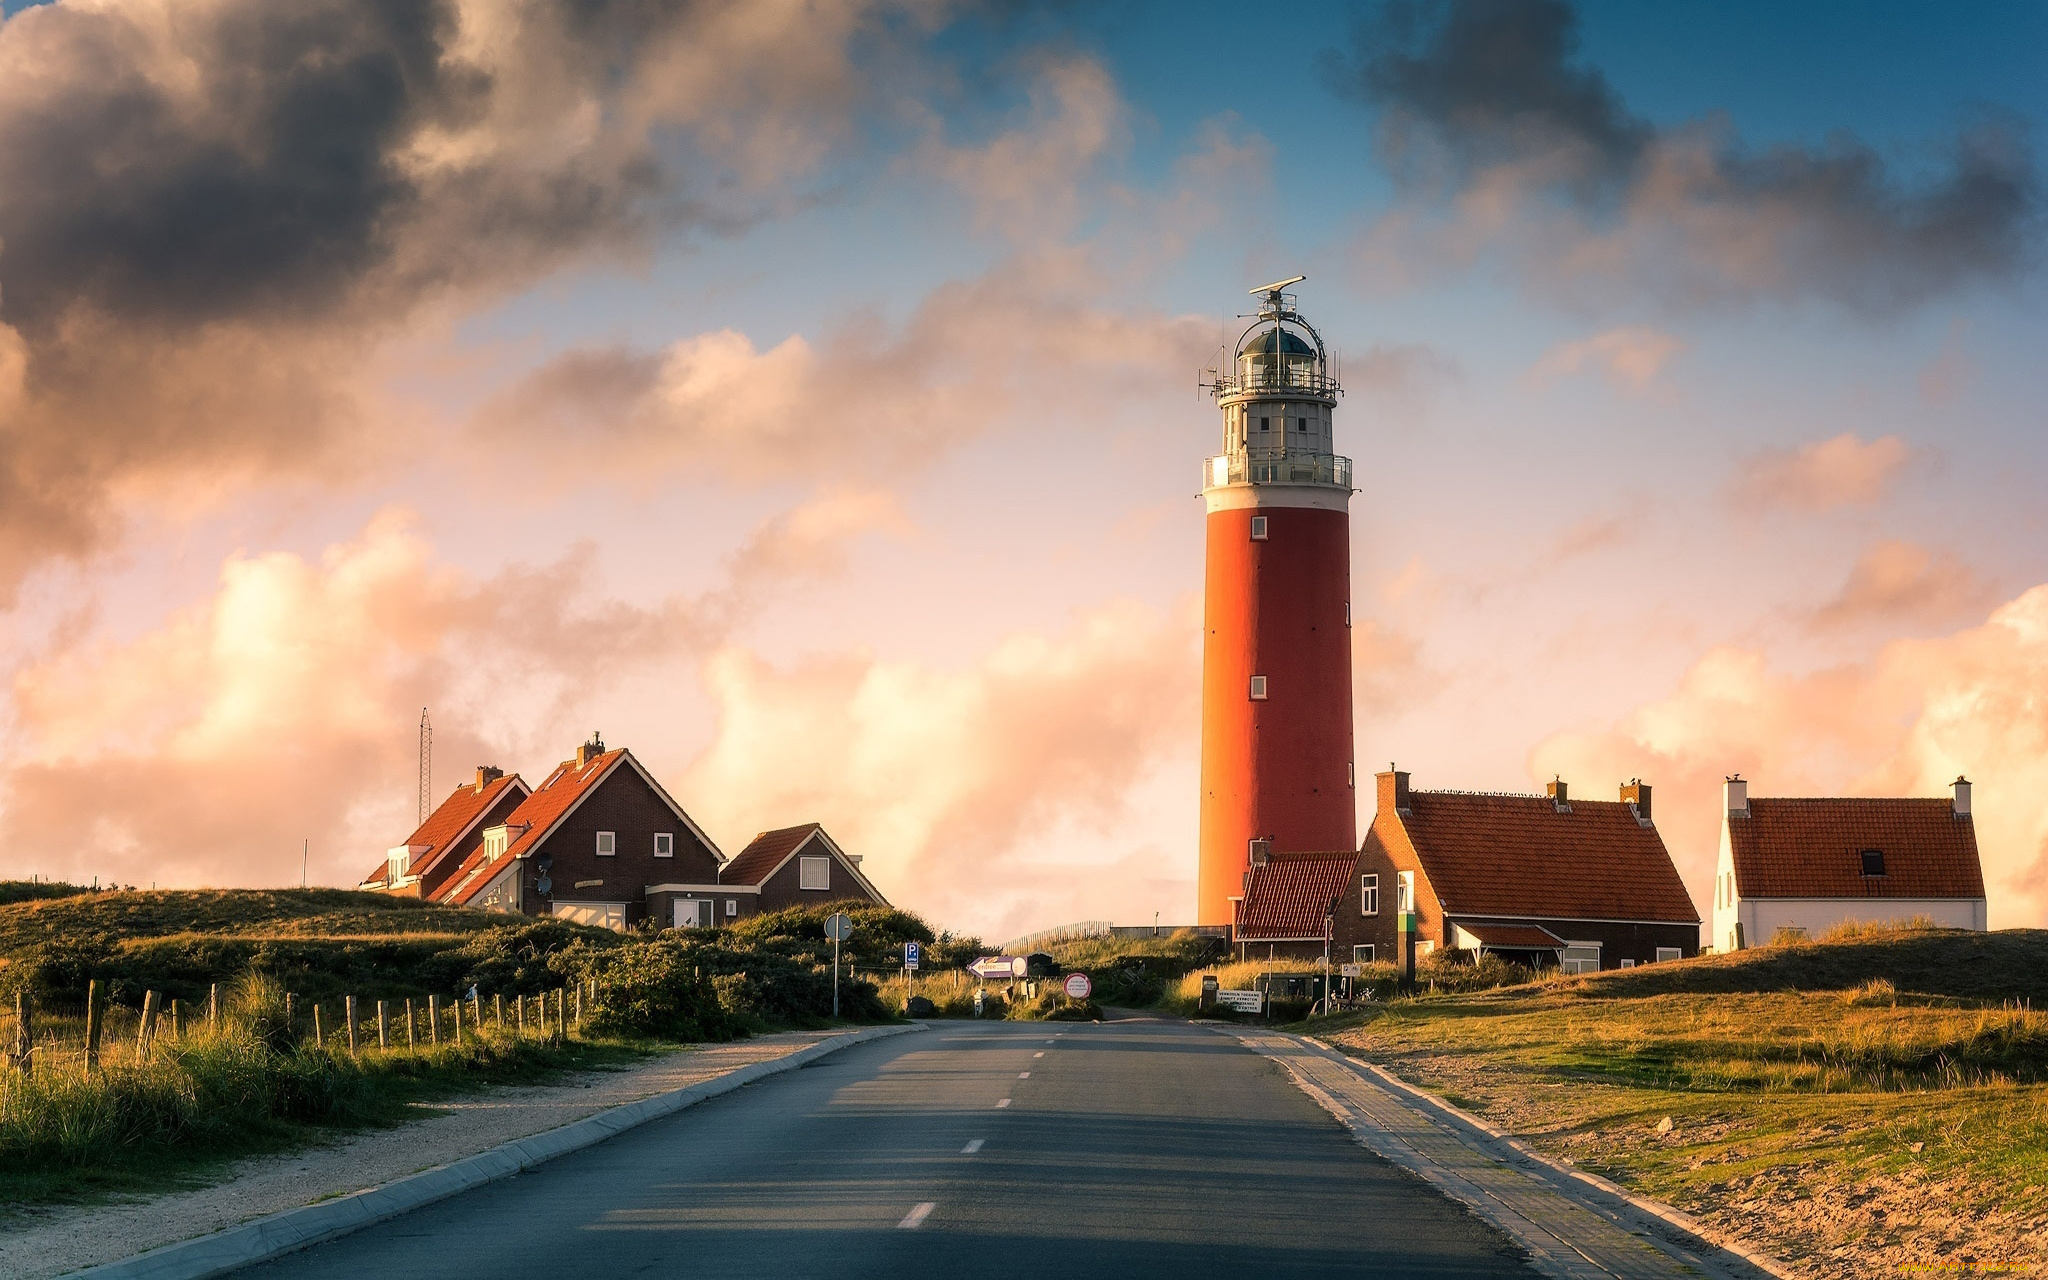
<point x="1801" y="866"/>
<point x="1293" y="901"/>
<point x="1586" y="884"/>
<point x="795" y="866"/>
<point x="599" y="842"/>
<point x="422" y="866"/>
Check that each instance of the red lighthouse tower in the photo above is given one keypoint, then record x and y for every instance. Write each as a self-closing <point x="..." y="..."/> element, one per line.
<point x="1276" y="648"/>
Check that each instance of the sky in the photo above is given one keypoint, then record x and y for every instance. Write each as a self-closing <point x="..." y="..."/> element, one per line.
<point x="804" y="394"/>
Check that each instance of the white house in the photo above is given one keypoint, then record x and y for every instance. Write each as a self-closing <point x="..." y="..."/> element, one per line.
<point x="1806" y="865"/>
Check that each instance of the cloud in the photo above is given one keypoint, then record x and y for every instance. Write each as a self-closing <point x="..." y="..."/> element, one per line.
<point x="1896" y="583"/>
<point x="1629" y="358"/>
<point x="1905" y="723"/>
<point x="952" y="780"/>
<point x="211" y="213"/>
<point x="1497" y="138"/>
<point x="862" y="401"/>
<point x="1841" y="471"/>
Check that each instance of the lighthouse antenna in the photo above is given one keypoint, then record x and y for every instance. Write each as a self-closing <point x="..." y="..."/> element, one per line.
<point x="1272" y="291"/>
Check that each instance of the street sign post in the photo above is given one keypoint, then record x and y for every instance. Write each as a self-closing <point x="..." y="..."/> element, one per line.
<point x="1242" y="1001"/>
<point x="910" y="955"/>
<point x="1078" y="986"/>
<point x="838" y="927"/>
<point x="1352" y="970"/>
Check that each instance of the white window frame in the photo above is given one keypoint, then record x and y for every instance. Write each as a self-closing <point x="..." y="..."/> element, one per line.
<point x="496" y="841"/>
<point x="822" y="863"/>
<point x="607" y="844"/>
<point x="1627" y="962"/>
<point x="398" y="864"/>
<point x="1258" y="688"/>
<point x="1570" y="963"/>
<point x="664" y="844"/>
<point x="1259" y="528"/>
<point x="1369" y="894"/>
<point x="732" y="907"/>
<point x="1404" y="891"/>
<point x="1363" y="953"/>
<point x="1670" y="953"/>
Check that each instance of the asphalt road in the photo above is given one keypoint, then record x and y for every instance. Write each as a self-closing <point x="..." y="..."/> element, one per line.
<point x="1120" y="1149"/>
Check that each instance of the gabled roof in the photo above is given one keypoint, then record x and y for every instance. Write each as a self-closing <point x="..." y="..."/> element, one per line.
<point x="1528" y="857"/>
<point x="451" y="821"/>
<point x="1812" y="848"/>
<point x="1289" y="896"/>
<point x="767" y="853"/>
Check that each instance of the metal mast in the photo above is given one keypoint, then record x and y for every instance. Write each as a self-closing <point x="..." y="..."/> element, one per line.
<point x="426" y="762"/>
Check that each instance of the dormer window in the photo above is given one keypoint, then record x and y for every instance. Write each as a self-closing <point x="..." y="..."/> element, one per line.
<point x="1873" y="862"/>
<point x="495" y="841"/>
<point x="397" y="864"/>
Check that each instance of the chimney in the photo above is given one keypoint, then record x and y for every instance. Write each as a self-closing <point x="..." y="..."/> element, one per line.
<point x="590" y="750"/>
<point x="1635" y="793"/>
<point x="1559" y="793"/>
<point x="1735" y="795"/>
<point x="486" y="774"/>
<point x="1962" y="786"/>
<point x="1260" y="852"/>
<point x="1393" y="791"/>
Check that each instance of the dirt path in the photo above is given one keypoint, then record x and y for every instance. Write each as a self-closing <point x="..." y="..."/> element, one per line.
<point x="51" y="1241"/>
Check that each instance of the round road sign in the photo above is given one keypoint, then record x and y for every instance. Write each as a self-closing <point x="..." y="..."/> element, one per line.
<point x="1078" y="986"/>
<point x="839" y="926"/>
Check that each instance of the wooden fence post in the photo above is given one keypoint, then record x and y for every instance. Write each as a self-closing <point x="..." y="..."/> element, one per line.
<point x="476" y="1013"/>
<point x="94" y="1022"/>
<point x="519" y="1008"/>
<point x="348" y="1013"/>
<point x="213" y="1006"/>
<point x="319" y="1037"/>
<point x="434" y="1018"/>
<point x="498" y="999"/>
<point x="411" y="1038"/>
<point x="177" y="1021"/>
<point x="24" y="1033"/>
<point x="456" y="1012"/>
<point x="383" y="1036"/>
<point x="146" y="1031"/>
<point x="561" y="1015"/>
<point x="291" y="1015"/>
<point x="579" y="1006"/>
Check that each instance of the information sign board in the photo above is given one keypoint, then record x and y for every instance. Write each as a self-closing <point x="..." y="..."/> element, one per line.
<point x="1242" y="1001"/>
<point x="1352" y="970"/>
<point x="998" y="967"/>
<point x="910" y="955"/>
<point x="1078" y="986"/>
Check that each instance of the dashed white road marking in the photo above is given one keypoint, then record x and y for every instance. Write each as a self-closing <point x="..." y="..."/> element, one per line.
<point x="972" y="1147"/>
<point x="1023" y="1075"/>
<point x="1004" y="1103"/>
<point x="915" y="1218"/>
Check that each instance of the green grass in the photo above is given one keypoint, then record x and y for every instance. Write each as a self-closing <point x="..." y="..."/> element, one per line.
<point x="1810" y="1071"/>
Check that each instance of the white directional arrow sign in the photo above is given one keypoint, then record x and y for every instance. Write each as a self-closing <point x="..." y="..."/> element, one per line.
<point x="998" y="967"/>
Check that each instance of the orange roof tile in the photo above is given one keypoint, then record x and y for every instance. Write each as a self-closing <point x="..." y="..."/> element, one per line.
<point x="1291" y="894"/>
<point x="764" y="853"/>
<point x="536" y="814"/>
<point x="1811" y="848"/>
<point x="446" y="824"/>
<point x="1521" y="856"/>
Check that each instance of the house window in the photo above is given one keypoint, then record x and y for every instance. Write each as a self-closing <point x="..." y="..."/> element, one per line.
<point x="815" y="873"/>
<point x="1362" y="953"/>
<point x="664" y="844"/>
<point x="1873" y="862"/>
<point x="1369" y="895"/>
<point x="1580" y="957"/>
<point x="1670" y="953"/>
<point x="1258" y="688"/>
<point x="1627" y="963"/>
<point x="396" y="863"/>
<point x="1258" y="528"/>
<point x="495" y="841"/>
<point x="732" y="907"/>
<point x="1404" y="891"/>
<point x="607" y="843"/>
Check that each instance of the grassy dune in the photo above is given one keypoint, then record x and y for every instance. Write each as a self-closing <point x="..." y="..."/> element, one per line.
<point x="1854" y="1104"/>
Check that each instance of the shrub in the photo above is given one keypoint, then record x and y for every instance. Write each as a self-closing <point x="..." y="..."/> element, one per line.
<point x="655" y="989"/>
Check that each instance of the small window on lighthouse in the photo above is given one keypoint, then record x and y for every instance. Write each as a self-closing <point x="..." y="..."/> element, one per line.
<point x="1258" y="688"/>
<point x="1265" y="424"/>
<point x="1258" y="528"/>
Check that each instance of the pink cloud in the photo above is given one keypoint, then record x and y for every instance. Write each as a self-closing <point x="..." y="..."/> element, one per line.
<point x="1843" y="470"/>
<point x="1629" y="358"/>
<point x="1904" y="723"/>
<point x="1898" y="583"/>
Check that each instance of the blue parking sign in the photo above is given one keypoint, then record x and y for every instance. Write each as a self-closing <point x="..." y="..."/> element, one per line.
<point x="910" y="955"/>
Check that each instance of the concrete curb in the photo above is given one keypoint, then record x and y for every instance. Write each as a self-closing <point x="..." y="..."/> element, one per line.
<point x="1616" y="1200"/>
<point x="281" y="1233"/>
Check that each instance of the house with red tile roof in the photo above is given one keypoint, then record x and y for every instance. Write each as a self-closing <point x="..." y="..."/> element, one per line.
<point x="420" y="867"/>
<point x="1549" y="879"/>
<point x="796" y="866"/>
<point x="596" y="842"/>
<point x="1300" y="906"/>
<point x="1801" y="866"/>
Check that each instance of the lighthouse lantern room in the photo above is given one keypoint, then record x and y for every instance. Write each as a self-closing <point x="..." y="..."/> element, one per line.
<point x="1276" y="646"/>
